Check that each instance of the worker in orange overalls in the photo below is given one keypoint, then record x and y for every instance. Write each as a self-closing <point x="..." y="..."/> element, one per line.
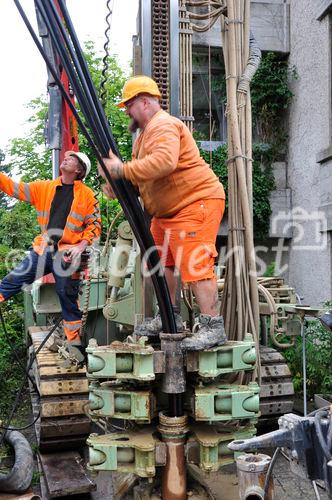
<point x="185" y="198"/>
<point x="68" y="215"/>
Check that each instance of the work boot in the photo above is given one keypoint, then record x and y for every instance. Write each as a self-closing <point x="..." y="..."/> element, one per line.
<point x="210" y="333"/>
<point x="56" y="340"/>
<point x="74" y="354"/>
<point x="152" y="326"/>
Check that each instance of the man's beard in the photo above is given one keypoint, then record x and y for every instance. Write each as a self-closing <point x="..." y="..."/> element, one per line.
<point x="133" y="126"/>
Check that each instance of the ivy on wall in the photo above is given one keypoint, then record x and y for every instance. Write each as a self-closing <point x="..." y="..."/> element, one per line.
<point x="263" y="182"/>
<point x="270" y="97"/>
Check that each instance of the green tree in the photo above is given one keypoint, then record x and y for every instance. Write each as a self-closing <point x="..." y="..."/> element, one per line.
<point x="4" y="168"/>
<point x="32" y="160"/>
<point x="19" y="226"/>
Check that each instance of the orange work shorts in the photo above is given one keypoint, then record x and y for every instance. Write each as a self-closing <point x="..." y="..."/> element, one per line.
<point x="187" y="241"/>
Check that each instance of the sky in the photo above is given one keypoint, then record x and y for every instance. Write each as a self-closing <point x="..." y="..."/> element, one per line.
<point x="23" y="71"/>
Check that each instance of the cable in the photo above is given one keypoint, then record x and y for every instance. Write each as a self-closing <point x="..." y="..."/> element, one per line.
<point x="313" y="413"/>
<point x="14" y="408"/>
<point x="123" y="189"/>
<point x="269" y="472"/>
<point x="14" y="351"/>
<point x="314" y="485"/>
<point x="58" y="81"/>
<point x="319" y="415"/>
<point x="108" y="19"/>
<point x="105" y="250"/>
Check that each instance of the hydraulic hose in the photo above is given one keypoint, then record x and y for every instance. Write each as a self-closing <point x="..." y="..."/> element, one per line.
<point x="91" y="107"/>
<point x="255" y="56"/>
<point x="19" y="478"/>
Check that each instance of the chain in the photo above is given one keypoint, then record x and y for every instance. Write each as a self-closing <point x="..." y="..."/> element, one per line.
<point x="103" y="90"/>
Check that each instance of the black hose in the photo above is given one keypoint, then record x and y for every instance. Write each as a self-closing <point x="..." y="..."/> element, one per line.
<point x="15" y="353"/>
<point x="17" y="399"/>
<point x="269" y="473"/>
<point x="123" y="189"/>
<point x="320" y="436"/>
<point x="329" y="433"/>
<point x="19" y="478"/>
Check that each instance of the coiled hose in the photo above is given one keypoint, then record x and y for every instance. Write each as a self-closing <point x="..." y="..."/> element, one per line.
<point x="19" y="478"/>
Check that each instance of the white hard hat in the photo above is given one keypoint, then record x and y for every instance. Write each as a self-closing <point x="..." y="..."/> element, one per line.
<point x="83" y="158"/>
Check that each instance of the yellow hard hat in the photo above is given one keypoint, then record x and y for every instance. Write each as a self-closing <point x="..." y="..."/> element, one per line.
<point x="138" y="85"/>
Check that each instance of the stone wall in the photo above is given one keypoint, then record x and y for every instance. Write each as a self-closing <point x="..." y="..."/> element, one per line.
<point x="309" y="153"/>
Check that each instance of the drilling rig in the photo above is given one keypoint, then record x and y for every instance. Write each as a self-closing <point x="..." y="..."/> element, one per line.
<point x="162" y="410"/>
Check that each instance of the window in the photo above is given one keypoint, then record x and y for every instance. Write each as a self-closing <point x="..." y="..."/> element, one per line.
<point x="203" y="66"/>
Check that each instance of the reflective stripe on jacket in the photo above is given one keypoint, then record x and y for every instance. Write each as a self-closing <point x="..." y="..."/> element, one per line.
<point x="83" y="221"/>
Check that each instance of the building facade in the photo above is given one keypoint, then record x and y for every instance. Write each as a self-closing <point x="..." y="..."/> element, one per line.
<point x="300" y="237"/>
<point x="309" y="161"/>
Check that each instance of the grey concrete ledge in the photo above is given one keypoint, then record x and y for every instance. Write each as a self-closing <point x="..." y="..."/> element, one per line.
<point x="327" y="210"/>
<point x="324" y="9"/>
<point x="324" y="154"/>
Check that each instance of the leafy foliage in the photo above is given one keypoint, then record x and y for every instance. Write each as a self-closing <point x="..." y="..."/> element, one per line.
<point x="4" y="168"/>
<point x="21" y="226"/>
<point x="263" y="182"/>
<point x="11" y="375"/>
<point x="270" y="97"/>
<point x="319" y="360"/>
<point x="28" y="155"/>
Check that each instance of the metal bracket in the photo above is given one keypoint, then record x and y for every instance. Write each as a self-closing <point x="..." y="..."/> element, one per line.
<point x="137" y="452"/>
<point x="208" y="446"/>
<point x="226" y="402"/>
<point x="232" y="357"/>
<point x="105" y="401"/>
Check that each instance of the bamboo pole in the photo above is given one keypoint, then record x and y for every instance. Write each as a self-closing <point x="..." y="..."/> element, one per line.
<point x="240" y="306"/>
<point x="240" y="281"/>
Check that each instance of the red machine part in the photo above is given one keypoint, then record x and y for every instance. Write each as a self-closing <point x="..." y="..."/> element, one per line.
<point x="68" y="121"/>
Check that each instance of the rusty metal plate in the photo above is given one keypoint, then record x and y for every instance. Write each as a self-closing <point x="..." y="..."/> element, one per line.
<point x="66" y="426"/>
<point x="270" y="355"/>
<point x="281" y="389"/>
<point x="62" y="407"/>
<point x="59" y="387"/>
<point x="64" y="474"/>
<point x="56" y="371"/>
<point x="275" y="371"/>
<point x="276" y="407"/>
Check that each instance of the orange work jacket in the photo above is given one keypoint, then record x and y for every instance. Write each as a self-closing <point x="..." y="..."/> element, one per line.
<point x="83" y="221"/>
<point x="167" y="168"/>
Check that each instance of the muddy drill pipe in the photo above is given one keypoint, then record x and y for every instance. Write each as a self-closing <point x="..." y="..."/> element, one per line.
<point x="173" y="431"/>
<point x="173" y="425"/>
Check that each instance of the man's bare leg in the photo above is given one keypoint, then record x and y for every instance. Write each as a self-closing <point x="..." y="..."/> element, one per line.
<point x="206" y="294"/>
<point x="211" y="326"/>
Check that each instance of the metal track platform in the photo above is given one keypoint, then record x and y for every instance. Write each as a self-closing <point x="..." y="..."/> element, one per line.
<point x="63" y="394"/>
<point x="277" y="391"/>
